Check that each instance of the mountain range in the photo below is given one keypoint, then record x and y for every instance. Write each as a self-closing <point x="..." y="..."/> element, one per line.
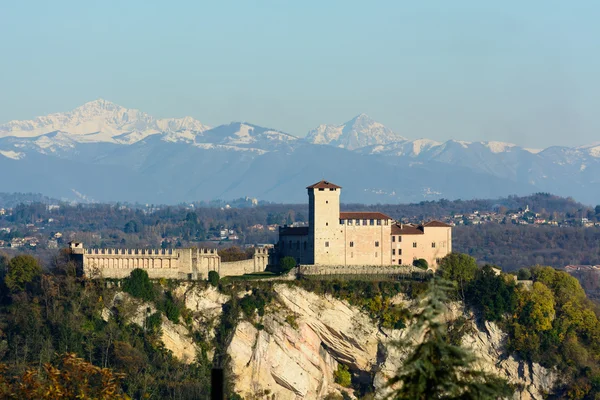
<point x="101" y="151"/>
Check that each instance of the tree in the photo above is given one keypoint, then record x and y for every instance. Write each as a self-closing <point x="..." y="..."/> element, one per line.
<point x="459" y="268"/>
<point x="435" y="368"/>
<point x="286" y="264"/>
<point x="213" y="278"/>
<point x="131" y="227"/>
<point x="536" y="307"/>
<point x="74" y="378"/>
<point x="491" y="294"/>
<point x="597" y="210"/>
<point x="421" y="263"/>
<point x="22" y="270"/>
<point x="138" y="285"/>
<point x="342" y="376"/>
<point x="524" y="274"/>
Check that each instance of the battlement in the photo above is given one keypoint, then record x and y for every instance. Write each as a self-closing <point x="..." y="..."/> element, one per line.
<point x="130" y="251"/>
<point x="181" y="263"/>
<point x="145" y="252"/>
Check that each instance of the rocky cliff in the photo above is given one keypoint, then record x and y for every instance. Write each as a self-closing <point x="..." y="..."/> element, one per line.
<point x="292" y="351"/>
<point x="299" y="361"/>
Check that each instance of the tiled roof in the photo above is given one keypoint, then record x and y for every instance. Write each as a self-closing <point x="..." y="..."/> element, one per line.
<point x="324" y="185"/>
<point x="294" y="231"/>
<point x="437" y="224"/>
<point x="363" y="215"/>
<point x="398" y="229"/>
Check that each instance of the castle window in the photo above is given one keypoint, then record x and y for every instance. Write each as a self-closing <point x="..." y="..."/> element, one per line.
<point x="351" y="244"/>
<point x="400" y="262"/>
<point x="393" y="239"/>
<point x="372" y="222"/>
<point x="326" y="201"/>
<point x="331" y="189"/>
<point x="326" y="244"/>
<point x="326" y="223"/>
<point x="342" y="221"/>
<point x="321" y="190"/>
<point x="399" y="252"/>
<point x="399" y="238"/>
<point x="376" y="244"/>
<point x="364" y="222"/>
<point x="433" y="245"/>
<point x="414" y="244"/>
<point x="393" y="252"/>
<point x="378" y="222"/>
<point x="298" y="245"/>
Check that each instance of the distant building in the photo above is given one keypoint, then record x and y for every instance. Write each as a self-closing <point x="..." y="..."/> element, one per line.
<point x="359" y="238"/>
<point x="17" y="242"/>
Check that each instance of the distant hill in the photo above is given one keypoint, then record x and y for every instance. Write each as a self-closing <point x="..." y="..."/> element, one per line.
<point x="10" y="200"/>
<point x="101" y="151"/>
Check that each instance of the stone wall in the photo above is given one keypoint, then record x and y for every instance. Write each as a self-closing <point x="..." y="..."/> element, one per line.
<point x="258" y="263"/>
<point x="191" y="263"/>
<point x="118" y="263"/>
<point x="357" y="269"/>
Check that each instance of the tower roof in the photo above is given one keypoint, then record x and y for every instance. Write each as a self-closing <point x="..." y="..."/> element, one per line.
<point x="437" y="224"/>
<point x="324" y="185"/>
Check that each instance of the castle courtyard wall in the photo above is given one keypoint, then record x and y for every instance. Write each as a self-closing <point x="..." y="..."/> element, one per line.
<point x="406" y="252"/>
<point x="366" y="244"/>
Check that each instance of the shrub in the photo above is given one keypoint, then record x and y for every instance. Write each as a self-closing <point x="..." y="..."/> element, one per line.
<point x="291" y="319"/>
<point x="170" y="308"/>
<point x="491" y="294"/>
<point x="421" y="263"/>
<point x="342" y="376"/>
<point x="248" y="305"/>
<point x="286" y="264"/>
<point x="213" y="278"/>
<point x="524" y="274"/>
<point x="153" y="322"/>
<point x="22" y="270"/>
<point x="138" y="285"/>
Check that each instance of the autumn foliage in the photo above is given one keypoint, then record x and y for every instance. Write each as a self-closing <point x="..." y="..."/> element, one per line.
<point x="73" y="378"/>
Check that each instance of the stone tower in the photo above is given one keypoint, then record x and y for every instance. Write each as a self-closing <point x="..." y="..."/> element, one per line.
<point x="324" y="233"/>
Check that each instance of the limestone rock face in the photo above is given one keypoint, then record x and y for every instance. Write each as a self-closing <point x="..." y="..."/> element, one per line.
<point x="489" y="344"/>
<point x="206" y="305"/>
<point x="297" y="360"/>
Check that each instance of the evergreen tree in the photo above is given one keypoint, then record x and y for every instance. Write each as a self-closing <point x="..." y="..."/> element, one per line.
<point x="434" y="368"/>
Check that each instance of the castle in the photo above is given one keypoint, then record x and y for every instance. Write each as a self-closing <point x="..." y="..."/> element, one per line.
<point x="337" y="238"/>
<point x="332" y="238"/>
<point x="190" y="263"/>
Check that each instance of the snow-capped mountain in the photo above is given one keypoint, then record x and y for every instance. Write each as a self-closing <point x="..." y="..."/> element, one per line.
<point x="102" y="121"/>
<point x="105" y="152"/>
<point x="242" y="135"/>
<point x="359" y="132"/>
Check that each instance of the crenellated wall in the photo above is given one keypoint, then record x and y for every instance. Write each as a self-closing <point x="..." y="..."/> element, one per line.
<point x="191" y="263"/>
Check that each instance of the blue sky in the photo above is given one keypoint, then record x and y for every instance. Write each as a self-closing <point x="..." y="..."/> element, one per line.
<point x="522" y="72"/>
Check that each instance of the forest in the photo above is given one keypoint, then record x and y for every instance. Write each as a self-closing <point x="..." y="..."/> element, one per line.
<point x="512" y="246"/>
<point x="54" y="335"/>
<point x="115" y="225"/>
